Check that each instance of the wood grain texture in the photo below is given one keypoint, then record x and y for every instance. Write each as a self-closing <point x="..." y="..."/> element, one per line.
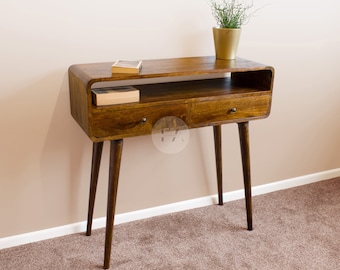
<point x="200" y="102"/>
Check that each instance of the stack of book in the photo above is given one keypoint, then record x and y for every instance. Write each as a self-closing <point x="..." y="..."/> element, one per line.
<point x="115" y="95"/>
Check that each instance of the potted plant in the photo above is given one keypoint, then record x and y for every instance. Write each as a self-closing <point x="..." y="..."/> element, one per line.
<point x="230" y="15"/>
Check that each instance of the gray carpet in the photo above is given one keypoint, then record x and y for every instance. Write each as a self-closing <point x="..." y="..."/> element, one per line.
<point x="297" y="228"/>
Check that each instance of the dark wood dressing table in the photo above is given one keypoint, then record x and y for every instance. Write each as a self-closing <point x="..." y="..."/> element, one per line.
<point x="243" y="96"/>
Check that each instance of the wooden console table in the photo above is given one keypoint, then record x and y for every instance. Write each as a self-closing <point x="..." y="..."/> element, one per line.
<point x="243" y="96"/>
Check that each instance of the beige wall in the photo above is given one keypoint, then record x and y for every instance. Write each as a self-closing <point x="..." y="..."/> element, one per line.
<point x="45" y="157"/>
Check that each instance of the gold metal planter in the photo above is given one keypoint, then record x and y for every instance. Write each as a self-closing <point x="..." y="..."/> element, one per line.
<point x="226" y="42"/>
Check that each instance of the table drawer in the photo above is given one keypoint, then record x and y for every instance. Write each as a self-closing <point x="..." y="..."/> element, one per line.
<point x="229" y="110"/>
<point x="115" y="124"/>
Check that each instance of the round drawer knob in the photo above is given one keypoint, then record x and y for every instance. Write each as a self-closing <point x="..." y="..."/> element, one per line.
<point x="143" y="121"/>
<point x="233" y="110"/>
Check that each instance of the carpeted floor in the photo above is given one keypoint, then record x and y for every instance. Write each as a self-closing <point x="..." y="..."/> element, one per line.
<point x="297" y="228"/>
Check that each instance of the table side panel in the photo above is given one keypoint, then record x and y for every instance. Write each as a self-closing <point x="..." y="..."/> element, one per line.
<point x="79" y="100"/>
<point x="261" y="79"/>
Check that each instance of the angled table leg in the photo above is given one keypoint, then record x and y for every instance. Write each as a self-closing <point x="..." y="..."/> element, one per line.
<point x="218" y="157"/>
<point x="96" y="157"/>
<point x="244" y="142"/>
<point x="116" y="148"/>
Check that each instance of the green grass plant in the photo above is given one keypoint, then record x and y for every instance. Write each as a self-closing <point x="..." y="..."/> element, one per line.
<point x="231" y="13"/>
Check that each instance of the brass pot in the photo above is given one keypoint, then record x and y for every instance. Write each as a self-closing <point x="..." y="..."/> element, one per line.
<point x="226" y="42"/>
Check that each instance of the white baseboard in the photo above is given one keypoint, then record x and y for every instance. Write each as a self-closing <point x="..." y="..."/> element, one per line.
<point x="164" y="209"/>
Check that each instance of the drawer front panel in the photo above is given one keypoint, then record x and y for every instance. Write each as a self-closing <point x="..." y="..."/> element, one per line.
<point x="229" y="110"/>
<point x="132" y="122"/>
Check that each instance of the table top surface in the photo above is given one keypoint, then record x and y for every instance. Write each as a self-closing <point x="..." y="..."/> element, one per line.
<point x="96" y="72"/>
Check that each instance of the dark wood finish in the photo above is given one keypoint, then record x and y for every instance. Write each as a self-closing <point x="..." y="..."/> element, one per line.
<point x="218" y="158"/>
<point x="240" y="91"/>
<point x="245" y="153"/>
<point x="96" y="157"/>
<point x="116" y="148"/>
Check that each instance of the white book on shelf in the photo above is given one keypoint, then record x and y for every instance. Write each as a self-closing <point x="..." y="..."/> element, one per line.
<point x="115" y="95"/>
<point x="126" y="66"/>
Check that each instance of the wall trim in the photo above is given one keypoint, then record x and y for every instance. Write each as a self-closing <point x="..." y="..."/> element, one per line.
<point x="98" y="223"/>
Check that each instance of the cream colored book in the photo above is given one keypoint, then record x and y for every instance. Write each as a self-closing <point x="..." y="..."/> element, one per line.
<point x="115" y="95"/>
<point x="125" y="66"/>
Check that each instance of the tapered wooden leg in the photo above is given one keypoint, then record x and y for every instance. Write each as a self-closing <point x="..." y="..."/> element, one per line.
<point x="218" y="157"/>
<point x="96" y="157"/>
<point x="116" y="148"/>
<point x="244" y="142"/>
